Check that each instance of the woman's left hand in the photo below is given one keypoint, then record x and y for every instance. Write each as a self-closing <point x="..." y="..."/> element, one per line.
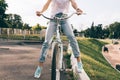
<point x="79" y="11"/>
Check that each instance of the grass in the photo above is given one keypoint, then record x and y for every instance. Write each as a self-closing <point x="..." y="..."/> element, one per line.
<point x="94" y="63"/>
<point x="106" y="40"/>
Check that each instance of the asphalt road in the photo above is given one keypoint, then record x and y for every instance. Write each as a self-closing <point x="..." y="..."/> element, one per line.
<point x="18" y="62"/>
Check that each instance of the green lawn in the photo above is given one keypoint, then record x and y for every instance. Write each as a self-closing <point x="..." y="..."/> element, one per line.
<point x="94" y="63"/>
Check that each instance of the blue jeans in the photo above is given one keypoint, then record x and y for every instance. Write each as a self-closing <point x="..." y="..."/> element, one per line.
<point x="67" y="29"/>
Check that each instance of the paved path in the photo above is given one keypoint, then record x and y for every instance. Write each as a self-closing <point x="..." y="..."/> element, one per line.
<point x="18" y="62"/>
<point x="113" y="56"/>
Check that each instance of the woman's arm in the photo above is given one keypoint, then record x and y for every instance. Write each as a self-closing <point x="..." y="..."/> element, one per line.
<point x="45" y="7"/>
<point x="74" y="5"/>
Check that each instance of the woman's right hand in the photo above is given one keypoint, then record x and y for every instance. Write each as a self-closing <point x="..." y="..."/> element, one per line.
<point x="38" y="13"/>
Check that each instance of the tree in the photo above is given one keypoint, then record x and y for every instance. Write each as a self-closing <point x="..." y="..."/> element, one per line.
<point x="94" y="31"/>
<point x="115" y="30"/>
<point x="87" y="32"/>
<point x="106" y="32"/>
<point x="37" y="28"/>
<point x="25" y="26"/>
<point x="110" y="31"/>
<point x="98" y="31"/>
<point x="17" y="22"/>
<point x="3" y="7"/>
<point x="14" y="21"/>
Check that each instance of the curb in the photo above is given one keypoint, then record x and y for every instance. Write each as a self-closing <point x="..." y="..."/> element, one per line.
<point x="80" y="76"/>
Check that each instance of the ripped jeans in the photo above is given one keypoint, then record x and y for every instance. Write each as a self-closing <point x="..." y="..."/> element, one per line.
<point x="67" y="29"/>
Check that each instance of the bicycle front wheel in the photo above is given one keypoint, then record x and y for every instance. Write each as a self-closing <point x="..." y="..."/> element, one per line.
<point x="56" y="62"/>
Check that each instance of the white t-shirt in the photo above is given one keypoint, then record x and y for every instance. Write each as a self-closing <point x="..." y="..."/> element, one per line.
<point x="59" y="6"/>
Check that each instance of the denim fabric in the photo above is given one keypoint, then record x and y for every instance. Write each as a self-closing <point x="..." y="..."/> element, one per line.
<point x="67" y="29"/>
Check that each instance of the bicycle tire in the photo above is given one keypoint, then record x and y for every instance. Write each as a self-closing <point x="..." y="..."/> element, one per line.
<point x="55" y="73"/>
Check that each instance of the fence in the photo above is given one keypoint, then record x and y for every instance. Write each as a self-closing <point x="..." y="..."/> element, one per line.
<point x="9" y="33"/>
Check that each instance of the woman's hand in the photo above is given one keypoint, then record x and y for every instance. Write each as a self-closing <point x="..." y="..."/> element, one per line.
<point x="79" y="11"/>
<point x="38" y="13"/>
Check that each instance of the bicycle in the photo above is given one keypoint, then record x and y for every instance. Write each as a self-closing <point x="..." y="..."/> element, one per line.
<point x="57" y="50"/>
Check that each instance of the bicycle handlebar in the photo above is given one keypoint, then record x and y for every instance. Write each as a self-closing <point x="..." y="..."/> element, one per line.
<point x="61" y="18"/>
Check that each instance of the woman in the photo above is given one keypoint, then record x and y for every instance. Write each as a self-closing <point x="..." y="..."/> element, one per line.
<point x="59" y="8"/>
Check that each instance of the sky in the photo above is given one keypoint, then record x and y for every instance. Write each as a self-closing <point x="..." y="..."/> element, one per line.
<point x="98" y="11"/>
